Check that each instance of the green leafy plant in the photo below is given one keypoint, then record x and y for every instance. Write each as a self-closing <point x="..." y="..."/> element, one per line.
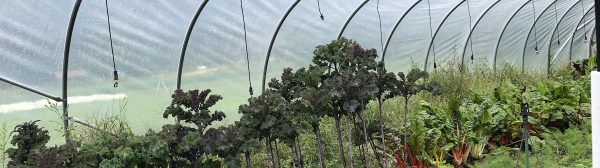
<point x="350" y="79"/>
<point x="407" y="86"/>
<point x="29" y="138"/>
<point x="192" y="146"/>
<point x="558" y="104"/>
<point x="262" y="115"/>
<point x="311" y="103"/>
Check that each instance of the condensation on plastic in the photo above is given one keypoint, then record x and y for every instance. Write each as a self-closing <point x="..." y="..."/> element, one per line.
<point x="510" y="47"/>
<point x="450" y="40"/>
<point x="538" y="61"/>
<point x="366" y="21"/>
<point x="408" y="45"/>
<point x="559" y="54"/>
<point x="216" y="56"/>
<point x="32" y="37"/>
<point x="487" y="32"/>
<point x="581" y="46"/>
<point x="305" y="27"/>
<point x="148" y="36"/>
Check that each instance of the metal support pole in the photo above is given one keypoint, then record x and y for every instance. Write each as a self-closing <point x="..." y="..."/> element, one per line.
<point x="502" y="33"/>
<point x="186" y="40"/>
<point x="350" y="18"/>
<point x="532" y="29"/>
<point x="387" y="42"/>
<point x="264" y="79"/>
<point x="22" y="86"/>
<point x="429" y="48"/>
<point x="66" y="70"/>
<point x="597" y="35"/>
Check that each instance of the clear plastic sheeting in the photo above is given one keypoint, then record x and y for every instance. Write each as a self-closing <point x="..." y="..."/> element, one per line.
<point x="449" y="42"/>
<point x="216" y="56"/>
<point x="581" y="43"/>
<point x="366" y="20"/>
<point x="32" y="35"/>
<point x="510" y="46"/>
<point x="303" y="30"/>
<point x="148" y="36"/>
<point x="487" y="31"/>
<point x="408" y="45"/>
<point x="535" y="56"/>
<point x="559" y="53"/>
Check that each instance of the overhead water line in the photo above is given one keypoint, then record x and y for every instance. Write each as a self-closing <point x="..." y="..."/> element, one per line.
<point x="112" y="50"/>
<point x="320" y="13"/>
<point x="556" y="18"/>
<point x="470" y="27"/>
<point x="246" y="45"/>
<point x="534" y="27"/>
<point x="584" y="25"/>
<point x="431" y="34"/>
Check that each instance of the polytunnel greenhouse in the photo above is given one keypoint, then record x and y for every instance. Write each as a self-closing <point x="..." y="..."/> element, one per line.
<point x="298" y="83"/>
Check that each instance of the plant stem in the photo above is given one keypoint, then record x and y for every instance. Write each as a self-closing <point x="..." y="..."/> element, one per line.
<point x="405" y="129"/>
<point x="362" y="119"/>
<point x="299" y="150"/>
<point x="270" y="148"/>
<point x="277" y="154"/>
<point x="317" y="132"/>
<point x="339" y="137"/>
<point x="350" y="144"/>
<point x="380" y="108"/>
<point x="294" y="156"/>
<point x="248" y="162"/>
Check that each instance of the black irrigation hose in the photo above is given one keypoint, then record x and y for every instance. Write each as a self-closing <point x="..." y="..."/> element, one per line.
<point x="247" y="54"/>
<point x="320" y="13"/>
<point x="584" y="25"/>
<point x="380" y="28"/>
<point x="431" y="34"/>
<point x="470" y="26"/>
<point x="112" y="50"/>
<point x="534" y="28"/>
<point x="556" y="18"/>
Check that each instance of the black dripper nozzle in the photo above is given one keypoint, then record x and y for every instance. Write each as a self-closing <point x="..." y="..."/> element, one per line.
<point x="116" y="78"/>
<point x="322" y="17"/>
<point x="251" y="91"/>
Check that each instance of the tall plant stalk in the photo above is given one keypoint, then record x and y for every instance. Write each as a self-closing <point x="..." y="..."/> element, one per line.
<point x="317" y="132"/>
<point x="350" y="144"/>
<point x="339" y="138"/>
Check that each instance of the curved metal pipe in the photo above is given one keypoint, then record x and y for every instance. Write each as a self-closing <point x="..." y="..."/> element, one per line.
<point x="437" y="30"/>
<point x="264" y="78"/>
<point x="503" y="30"/>
<point x="350" y="18"/>
<point x="573" y="35"/>
<point x="23" y="86"/>
<point x="529" y="34"/>
<point x="556" y="30"/>
<point x="186" y="40"/>
<point x="387" y="42"/>
<point x="66" y="69"/>
<point x="473" y="29"/>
